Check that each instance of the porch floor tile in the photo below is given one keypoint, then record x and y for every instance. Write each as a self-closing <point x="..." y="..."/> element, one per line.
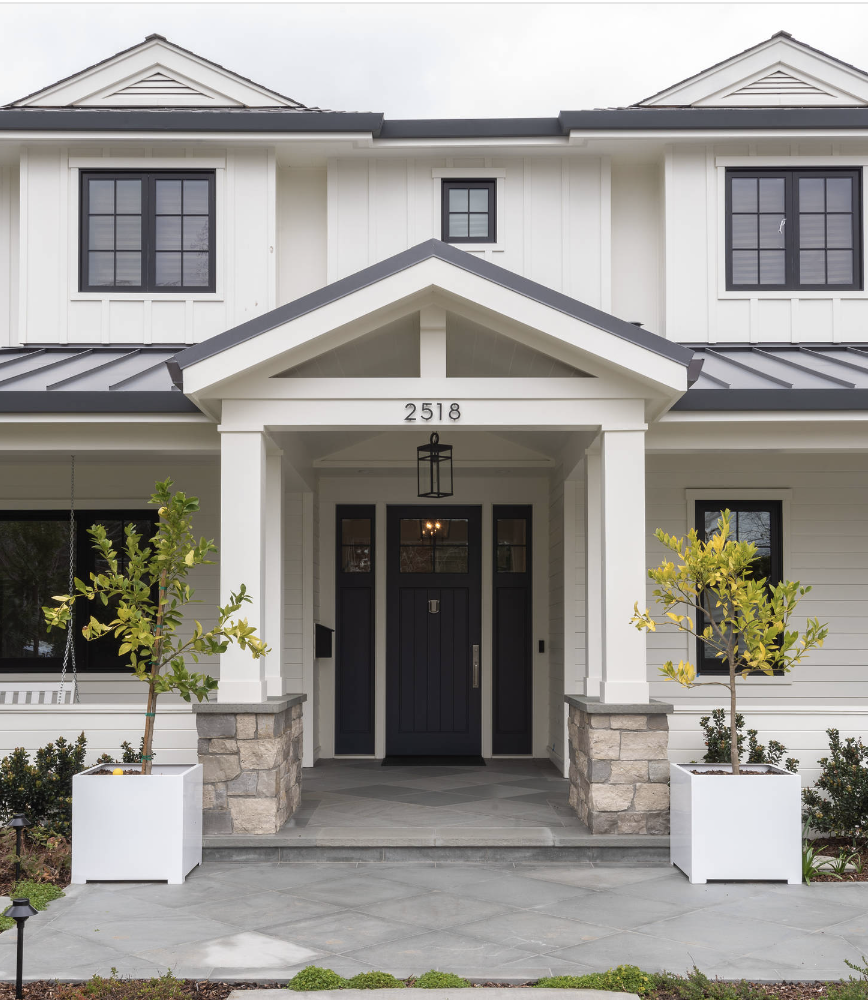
<point x="508" y="922"/>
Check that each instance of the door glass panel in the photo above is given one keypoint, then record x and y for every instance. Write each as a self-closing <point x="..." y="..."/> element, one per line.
<point x="434" y="545"/>
<point x="355" y="545"/>
<point x="511" y="548"/>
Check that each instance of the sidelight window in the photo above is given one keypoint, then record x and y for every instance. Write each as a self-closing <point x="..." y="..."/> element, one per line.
<point x="793" y="229"/>
<point x="151" y="232"/>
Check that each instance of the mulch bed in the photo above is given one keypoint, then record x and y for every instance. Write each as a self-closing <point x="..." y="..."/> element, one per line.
<point x="832" y="846"/>
<point x="41" y="862"/>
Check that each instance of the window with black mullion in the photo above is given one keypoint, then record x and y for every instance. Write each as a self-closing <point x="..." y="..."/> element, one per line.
<point x="468" y="211"/>
<point x="793" y="230"/>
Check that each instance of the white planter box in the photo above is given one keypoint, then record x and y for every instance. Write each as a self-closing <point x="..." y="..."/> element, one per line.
<point x="138" y="829"/>
<point x="726" y="827"/>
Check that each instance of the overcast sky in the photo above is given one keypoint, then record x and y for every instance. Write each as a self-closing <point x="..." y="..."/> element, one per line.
<point x="427" y="60"/>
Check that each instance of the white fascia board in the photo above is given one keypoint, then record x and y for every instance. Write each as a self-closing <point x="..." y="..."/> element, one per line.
<point x="582" y="136"/>
<point x="105" y="434"/>
<point x="595" y="350"/>
<point x="757" y="432"/>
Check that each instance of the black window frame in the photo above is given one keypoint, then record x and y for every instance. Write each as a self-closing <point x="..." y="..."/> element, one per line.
<point x="91" y="657"/>
<point x="149" y="225"/>
<point x="475" y="184"/>
<point x="791" y="230"/>
<point x="709" y="664"/>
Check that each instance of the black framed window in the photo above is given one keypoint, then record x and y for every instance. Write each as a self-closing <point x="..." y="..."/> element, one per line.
<point x="793" y="229"/>
<point x="34" y="566"/>
<point x="759" y="523"/>
<point x="469" y="211"/>
<point x="147" y="231"/>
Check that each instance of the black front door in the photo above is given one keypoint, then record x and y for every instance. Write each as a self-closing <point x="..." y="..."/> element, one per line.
<point x="433" y="692"/>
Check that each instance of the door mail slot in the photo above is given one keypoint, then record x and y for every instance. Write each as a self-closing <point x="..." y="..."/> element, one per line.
<point x="433" y="607"/>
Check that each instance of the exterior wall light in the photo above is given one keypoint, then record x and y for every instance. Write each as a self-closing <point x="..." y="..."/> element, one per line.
<point x="434" y="468"/>
<point x="19" y="824"/>
<point x="20" y="911"/>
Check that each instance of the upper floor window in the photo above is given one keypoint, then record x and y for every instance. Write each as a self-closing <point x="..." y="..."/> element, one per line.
<point x="147" y="231"/>
<point x="468" y="211"/>
<point x="793" y="229"/>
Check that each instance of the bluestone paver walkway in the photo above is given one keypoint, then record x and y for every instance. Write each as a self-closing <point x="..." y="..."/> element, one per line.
<point x="490" y="921"/>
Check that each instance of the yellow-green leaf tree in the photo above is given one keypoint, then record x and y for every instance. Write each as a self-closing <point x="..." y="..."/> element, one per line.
<point x="708" y="590"/>
<point x="148" y="595"/>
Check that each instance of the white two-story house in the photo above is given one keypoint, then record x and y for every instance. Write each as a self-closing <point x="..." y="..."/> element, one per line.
<point x="606" y="322"/>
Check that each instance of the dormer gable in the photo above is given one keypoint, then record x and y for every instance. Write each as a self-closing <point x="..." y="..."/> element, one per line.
<point x="779" y="72"/>
<point x="156" y="73"/>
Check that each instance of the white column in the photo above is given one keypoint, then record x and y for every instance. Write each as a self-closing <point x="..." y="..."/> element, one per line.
<point x="593" y="572"/>
<point x="432" y="342"/>
<point x="273" y="610"/>
<point x="623" y="562"/>
<point x="242" y="555"/>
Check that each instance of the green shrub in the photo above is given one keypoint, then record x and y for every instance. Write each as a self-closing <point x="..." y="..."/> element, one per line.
<point x="717" y="743"/>
<point x="434" y="980"/>
<point x="853" y="989"/>
<point x="315" y="978"/>
<point x="42" y="789"/>
<point x="697" y="986"/>
<point x="374" y="981"/>
<point x="40" y="895"/>
<point x="623" y="979"/>
<point x="164" y="987"/>
<point x="837" y="805"/>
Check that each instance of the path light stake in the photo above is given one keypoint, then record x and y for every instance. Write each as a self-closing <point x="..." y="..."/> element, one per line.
<point x="19" y="824"/>
<point x="434" y="468"/>
<point x="20" y="911"/>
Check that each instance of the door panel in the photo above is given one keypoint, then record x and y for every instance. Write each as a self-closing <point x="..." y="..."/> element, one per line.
<point x="432" y="707"/>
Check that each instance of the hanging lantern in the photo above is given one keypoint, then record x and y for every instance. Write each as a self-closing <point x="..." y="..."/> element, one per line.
<point x="434" y="468"/>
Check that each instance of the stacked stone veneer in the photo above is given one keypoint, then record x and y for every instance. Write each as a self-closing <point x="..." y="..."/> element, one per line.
<point x="619" y="769"/>
<point x="251" y="759"/>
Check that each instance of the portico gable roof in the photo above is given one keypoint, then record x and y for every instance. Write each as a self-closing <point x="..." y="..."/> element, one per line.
<point x="434" y="265"/>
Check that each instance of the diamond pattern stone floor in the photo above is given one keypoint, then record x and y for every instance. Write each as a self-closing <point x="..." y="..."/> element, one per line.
<point x="491" y="921"/>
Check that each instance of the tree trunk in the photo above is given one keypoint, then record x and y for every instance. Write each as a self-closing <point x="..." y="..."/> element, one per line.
<point x="150" y="715"/>
<point x="733" y="730"/>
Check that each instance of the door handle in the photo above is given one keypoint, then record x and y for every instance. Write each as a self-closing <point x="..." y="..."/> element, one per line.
<point x="475" y="649"/>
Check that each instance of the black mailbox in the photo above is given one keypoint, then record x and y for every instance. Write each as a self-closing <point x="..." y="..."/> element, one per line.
<point x="322" y="641"/>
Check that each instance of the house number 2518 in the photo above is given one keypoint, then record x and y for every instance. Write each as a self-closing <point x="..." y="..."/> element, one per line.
<point x="428" y="411"/>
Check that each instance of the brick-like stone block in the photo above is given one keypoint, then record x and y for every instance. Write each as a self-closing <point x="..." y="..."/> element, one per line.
<point x="257" y="816"/>
<point x="658" y="822"/>
<point x="611" y="798"/>
<point x="267" y="783"/>
<point x="602" y="822"/>
<point x="658" y="770"/>
<point x="605" y="744"/>
<point x="214" y="795"/>
<point x="260" y="755"/>
<point x="220" y="767"/>
<point x="600" y="770"/>
<point x="628" y="721"/>
<point x="651" y="798"/>
<point x="209" y="726"/>
<point x="632" y="822"/>
<point x="660" y="721"/>
<point x="628" y="772"/>
<point x="644" y="746"/>
<point x="223" y="746"/>
<point x="216" y="821"/>
<point x="265" y="726"/>
<point x="244" y="784"/>
<point x="245" y="727"/>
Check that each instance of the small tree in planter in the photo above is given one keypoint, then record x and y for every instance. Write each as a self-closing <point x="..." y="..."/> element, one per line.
<point x="747" y="619"/>
<point x="150" y="595"/>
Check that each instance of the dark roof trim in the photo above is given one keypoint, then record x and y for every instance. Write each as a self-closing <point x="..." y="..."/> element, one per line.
<point x="161" y="38"/>
<point x="186" y="120"/>
<point x="415" y="255"/>
<point x="470" y="128"/>
<point x="676" y="119"/>
<point x="96" y="402"/>
<point x="772" y="399"/>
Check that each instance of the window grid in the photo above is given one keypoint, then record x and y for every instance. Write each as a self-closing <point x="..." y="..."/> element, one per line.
<point x="793" y="230"/>
<point x="147" y="231"/>
<point x="468" y="211"/>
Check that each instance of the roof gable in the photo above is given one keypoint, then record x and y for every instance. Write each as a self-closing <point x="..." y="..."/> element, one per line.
<point x="779" y="72"/>
<point x="156" y="73"/>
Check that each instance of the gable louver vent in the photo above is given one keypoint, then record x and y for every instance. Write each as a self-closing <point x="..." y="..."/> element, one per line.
<point x="779" y="83"/>
<point x="158" y="85"/>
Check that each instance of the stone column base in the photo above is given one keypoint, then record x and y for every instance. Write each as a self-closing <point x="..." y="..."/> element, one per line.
<point x="251" y="757"/>
<point x="619" y="769"/>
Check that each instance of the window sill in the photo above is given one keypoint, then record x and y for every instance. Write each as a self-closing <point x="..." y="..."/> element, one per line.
<point x="120" y="296"/>
<point x="784" y="294"/>
<point x="476" y="247"/>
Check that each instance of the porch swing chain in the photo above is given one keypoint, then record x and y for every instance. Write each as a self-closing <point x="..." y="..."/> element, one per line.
<point x="69" y="651"/>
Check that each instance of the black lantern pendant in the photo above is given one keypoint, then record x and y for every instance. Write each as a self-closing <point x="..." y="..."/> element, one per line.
<point x="434" y="468"/>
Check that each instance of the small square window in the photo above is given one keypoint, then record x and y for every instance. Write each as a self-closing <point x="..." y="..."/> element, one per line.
<point x="469" y="211"/>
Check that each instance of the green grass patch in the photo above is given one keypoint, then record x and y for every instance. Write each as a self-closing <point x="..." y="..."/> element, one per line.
<point x="374" y="981"/>
<point x="434" y="980"/>
<point x="40" y="895"/>
<point x="315" y="978"/>
<point x="623" y="979"/>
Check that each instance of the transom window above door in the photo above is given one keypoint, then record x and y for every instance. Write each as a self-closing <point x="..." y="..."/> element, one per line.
<point x="793" y="229"/>
<point x="469" y="212"/>
<point x="147" y="232"/>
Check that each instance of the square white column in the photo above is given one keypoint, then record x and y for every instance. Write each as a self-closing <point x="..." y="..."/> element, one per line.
<point x="593" y="572"/>
<point x="273" y="609"/>
<point x="242" y="556"/>
<point x="624" y="573"/>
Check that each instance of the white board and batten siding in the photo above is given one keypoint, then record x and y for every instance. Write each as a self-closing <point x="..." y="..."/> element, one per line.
<point x="698" y="306"/>
<point x="51" y="307"/>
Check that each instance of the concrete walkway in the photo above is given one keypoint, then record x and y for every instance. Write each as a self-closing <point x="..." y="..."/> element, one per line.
<point x="487" y="921"/>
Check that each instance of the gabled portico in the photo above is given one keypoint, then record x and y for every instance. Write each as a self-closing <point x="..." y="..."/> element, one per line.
<point x="438" y="323"/>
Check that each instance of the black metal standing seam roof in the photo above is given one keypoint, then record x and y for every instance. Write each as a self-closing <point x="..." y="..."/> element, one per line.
<point x="779" y="377"/>
<point x="85" y="379"/>
<point x="416" y="255"/>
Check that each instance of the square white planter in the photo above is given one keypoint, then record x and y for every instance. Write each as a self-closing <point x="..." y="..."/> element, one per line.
<point x="137" y="828"/>
<point x="725" y="827"/>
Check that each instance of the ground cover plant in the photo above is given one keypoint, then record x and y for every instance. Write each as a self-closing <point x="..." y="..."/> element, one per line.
<point x="45" y="858"/>
<point x="40" y="895"/>
<point x="623" y="979"/>
<point x="435" y="980"/>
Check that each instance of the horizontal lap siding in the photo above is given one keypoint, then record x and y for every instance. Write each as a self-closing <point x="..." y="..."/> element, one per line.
<point x="826" y="546"/>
